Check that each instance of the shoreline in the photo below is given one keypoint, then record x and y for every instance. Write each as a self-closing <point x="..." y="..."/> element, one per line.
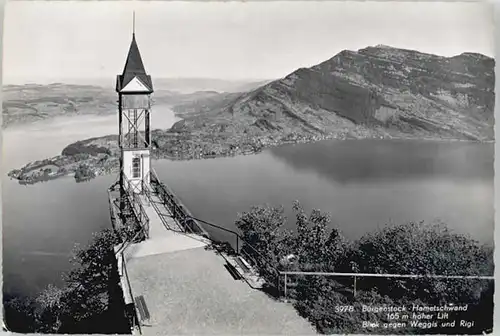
<point x="94" y="166"/>
<point x="20" y="124"/>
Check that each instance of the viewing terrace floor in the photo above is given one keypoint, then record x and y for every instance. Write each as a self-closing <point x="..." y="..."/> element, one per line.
<point x="188" y="290"/>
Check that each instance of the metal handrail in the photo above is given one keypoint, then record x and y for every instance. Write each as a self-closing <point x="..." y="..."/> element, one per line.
<point x="138" y="210"/>
<point x="179" y="213"/>
<point x="376" y="275"/>
<point x="157" y="209"/>
<point x="124" y="271"/>
<point x="111" y="207"/>
<point x="137" y="207"/>
<point x="127" y="242"/>
<point x="241" y="252"/>
<point x="183" y="216"/>
<point x="382" y="275"/>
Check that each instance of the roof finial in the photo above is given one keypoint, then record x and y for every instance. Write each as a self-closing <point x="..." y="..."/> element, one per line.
<point x="133" y="24"/>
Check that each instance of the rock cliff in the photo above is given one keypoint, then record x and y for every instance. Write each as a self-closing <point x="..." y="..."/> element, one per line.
<point x="373" y="92"/>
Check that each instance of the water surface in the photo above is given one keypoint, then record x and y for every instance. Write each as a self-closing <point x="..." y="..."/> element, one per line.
<point x="363" y="184"/>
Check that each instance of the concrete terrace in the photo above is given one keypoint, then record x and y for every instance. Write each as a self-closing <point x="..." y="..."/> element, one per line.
<point x="188" y="290"/>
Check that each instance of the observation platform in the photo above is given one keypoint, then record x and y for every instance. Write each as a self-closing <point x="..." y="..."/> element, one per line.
<point x="187" y="288"/>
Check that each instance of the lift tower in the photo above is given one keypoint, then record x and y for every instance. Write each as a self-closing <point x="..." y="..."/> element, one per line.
<point x="134" y="88"/>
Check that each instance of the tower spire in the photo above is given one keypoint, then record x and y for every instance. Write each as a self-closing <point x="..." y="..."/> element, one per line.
<point x="133" y="24"/>
<point x="134" y="68"/>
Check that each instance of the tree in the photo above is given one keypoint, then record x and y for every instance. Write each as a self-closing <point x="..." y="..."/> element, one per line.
<point x="90" y="280"/>
<point x="84" y="172"/>
<point x="317" y="246"/>
<point x="51" y="310"/>
<point x="87" y="297"/>
<point x="266" y="242"/>
<point x="19" y="314"/>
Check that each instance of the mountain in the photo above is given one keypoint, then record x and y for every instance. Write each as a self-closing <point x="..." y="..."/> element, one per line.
<point x="32" y="102"/>
<point x="190" y="85"/>
<point x="377" y="91"/>
<point x="182" y="84"/>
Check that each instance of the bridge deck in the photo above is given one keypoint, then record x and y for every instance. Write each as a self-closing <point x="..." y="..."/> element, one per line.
<point x="188" y="290"/>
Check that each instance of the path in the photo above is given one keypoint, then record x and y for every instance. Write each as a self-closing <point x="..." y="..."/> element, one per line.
<point x="188" y="290"/>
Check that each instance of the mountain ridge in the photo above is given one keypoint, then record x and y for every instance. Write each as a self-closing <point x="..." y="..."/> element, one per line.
<point x="382" y="90"/>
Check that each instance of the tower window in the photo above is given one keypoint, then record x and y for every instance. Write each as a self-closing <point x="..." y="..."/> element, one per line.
<point x="135" y="101"/>
<point x="136" y="167"/>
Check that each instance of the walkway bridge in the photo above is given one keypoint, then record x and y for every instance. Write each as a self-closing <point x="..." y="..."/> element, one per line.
<point x="177" y="280"/>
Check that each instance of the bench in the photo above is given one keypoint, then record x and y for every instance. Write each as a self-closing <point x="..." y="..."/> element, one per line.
<point x="140" y="303"/>
<point x="234" y="273"/>
<point x="243" y="264"/>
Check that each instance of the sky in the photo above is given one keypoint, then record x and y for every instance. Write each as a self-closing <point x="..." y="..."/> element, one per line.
<point x="57" y="41"/>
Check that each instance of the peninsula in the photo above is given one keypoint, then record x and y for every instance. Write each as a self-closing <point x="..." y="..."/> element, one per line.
<point x="377" y="92"/>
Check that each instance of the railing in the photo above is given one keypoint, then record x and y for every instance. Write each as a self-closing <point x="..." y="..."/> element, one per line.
<point x="112" y="208"/>
<point x="154" y="204"/>
<point x="238" y="239"/>
<point x="126" y="243"/>
<point x="136" y="205"/>
<point x="355" y="276"/>
<point x="112" y="212"/>
<point x="135" y="322"/>
<point x="179" y="212"/>
<point x="191" y="224"/>
<point x="120" y="254"/>
<point x="133" y="201"/>
<point x="244" y="249"/>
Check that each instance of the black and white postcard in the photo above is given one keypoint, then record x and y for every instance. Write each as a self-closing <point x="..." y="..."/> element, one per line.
<point x="248" y="168"/>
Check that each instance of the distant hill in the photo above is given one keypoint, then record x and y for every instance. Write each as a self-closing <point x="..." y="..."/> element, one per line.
<point x="33" y="102"/>
<point x="377" y="91"/>
<point x="179" y="85"/>
<point x="191" y="85"/>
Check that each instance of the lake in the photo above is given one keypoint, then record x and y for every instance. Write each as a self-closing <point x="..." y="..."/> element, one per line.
<point x="363" y="184"/>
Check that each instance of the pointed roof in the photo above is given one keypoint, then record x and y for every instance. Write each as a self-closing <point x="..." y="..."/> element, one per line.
<point x="134" y="68"/>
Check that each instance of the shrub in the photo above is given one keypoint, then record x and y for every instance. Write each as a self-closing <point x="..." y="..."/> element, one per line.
<point x="420" y="248"/>
<point x="266" y="242"/>
<point x="413" y="248"/>
<point x="84" y="300"/>
<point x="19" y="314"/>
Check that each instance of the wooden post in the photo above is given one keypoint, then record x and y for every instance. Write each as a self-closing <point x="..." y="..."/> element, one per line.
<point x="147" y="130"/>
<point x="278" y="286"/>
<point x="285" y="288"/>
<point x="354" y="286"/>
<point x="237" y="244"/>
